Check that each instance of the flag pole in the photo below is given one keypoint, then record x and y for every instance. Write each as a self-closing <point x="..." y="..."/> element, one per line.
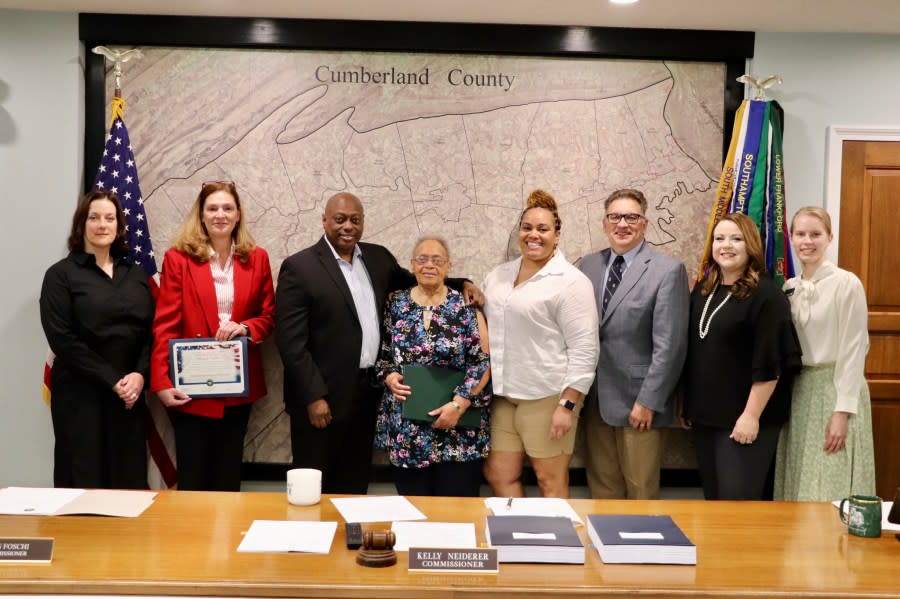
<point x="118" y="58"/>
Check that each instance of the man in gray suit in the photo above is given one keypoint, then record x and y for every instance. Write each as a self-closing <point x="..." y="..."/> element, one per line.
<point x="643" y="298"/>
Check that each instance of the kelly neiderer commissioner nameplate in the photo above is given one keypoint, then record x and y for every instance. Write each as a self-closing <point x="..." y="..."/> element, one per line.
<point x="480" y="561"/>
<point x="206" y="367"/>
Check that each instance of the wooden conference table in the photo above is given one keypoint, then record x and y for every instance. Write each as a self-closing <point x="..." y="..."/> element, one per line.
<point x="184" y="544"/>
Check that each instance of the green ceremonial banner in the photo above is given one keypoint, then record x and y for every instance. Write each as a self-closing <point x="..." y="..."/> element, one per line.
<point x="752" y="182"/>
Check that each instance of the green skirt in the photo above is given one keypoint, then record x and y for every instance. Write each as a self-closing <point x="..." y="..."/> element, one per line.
<point x="803" y="471"/>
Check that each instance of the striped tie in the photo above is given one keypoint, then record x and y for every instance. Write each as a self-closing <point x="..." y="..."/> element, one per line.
<point x="613" y="280"/>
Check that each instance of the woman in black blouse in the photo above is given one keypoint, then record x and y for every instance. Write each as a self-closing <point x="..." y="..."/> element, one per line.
<point x="742" y="355"/>
<point x="97" y="310"/>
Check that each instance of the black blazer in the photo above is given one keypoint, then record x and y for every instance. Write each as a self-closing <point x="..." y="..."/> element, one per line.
<point x="317" y="328"/>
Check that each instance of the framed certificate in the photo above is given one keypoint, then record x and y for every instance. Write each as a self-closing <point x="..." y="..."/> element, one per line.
<point x="203" y="367"/>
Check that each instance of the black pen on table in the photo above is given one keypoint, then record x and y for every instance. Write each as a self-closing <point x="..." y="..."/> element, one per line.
<point x="509" y="504"/>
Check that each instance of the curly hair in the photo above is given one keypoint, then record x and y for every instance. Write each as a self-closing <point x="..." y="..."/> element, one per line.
<point x="541" y="199"/>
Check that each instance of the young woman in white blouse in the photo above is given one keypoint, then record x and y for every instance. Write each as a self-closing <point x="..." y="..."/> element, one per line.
<point x="544" y="339"/>
<point x="825" y="452"/>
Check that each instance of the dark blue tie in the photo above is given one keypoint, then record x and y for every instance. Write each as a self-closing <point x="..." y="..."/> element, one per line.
<point x="613" y="280"/>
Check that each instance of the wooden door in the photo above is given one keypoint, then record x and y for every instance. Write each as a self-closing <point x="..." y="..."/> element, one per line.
<point x="870" y="247"/>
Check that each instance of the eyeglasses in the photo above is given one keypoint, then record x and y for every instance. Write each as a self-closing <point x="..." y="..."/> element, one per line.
<point x="436" y="260"/>
<point x="631" y="218"/>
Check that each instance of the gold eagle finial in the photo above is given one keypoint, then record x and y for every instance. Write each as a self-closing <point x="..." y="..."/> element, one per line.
<point x="760" y="87"/>
<point x="118" y="58"/>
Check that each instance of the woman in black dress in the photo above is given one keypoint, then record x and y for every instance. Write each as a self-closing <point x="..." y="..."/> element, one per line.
<point x="96" y="311"/>
<point x="742" y="355"/>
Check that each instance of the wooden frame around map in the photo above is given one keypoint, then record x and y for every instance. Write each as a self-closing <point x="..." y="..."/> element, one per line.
<point x="730" y="47"/>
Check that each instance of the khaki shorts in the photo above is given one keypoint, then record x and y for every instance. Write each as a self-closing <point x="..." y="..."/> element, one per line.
<point x="524" y="425"/>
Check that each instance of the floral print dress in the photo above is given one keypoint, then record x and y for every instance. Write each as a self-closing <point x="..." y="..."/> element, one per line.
<point x="451" y="340"/>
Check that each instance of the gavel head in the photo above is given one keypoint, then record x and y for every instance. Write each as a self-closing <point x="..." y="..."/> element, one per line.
<point x="379" y="539"/>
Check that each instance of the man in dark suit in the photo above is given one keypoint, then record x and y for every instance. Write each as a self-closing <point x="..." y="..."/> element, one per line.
<point x="328" y="310"/>
<point x="642" y="297"/>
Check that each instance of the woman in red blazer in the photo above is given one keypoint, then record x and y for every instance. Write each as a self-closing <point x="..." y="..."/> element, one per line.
<point x="216" y="282"/>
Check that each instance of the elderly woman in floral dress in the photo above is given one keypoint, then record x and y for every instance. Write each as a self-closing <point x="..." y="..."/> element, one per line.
<point x="430" y="324"/>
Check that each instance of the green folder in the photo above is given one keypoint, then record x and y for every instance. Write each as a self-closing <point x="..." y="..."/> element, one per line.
<point x="432" y="387"/>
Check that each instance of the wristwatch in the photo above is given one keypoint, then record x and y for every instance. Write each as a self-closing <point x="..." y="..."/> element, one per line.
<point x="567" y="404"/>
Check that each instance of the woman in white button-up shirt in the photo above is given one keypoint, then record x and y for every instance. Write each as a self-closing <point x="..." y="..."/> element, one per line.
<point x="826" y="450"/>
<point x="544" y="339"/>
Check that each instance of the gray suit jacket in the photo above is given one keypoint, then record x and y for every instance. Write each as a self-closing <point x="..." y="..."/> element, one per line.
<point x="643" y="335"/>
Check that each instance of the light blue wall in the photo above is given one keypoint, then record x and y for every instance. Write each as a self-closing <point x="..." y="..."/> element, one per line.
<point x="828" y="80"/>
<point x="41" y="133"/>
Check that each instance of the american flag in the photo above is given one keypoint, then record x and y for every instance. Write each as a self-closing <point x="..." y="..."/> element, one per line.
<point x="118" y="173"/>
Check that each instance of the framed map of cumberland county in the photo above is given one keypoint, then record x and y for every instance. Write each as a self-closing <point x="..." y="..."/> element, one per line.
<point x="432" y="143"/>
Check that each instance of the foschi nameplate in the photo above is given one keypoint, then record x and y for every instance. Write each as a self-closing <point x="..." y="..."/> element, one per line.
<point x="430" y="559"/>
<point x="26" y="550"/>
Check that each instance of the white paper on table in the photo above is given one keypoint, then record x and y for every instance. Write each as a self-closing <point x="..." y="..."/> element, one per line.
<point x="66" y="502"/>
<point x="28" y="501"/>
<point x="288" y="535"/>
<point x="534" y="536"/>
<point x="885" y="510"/>
<point x="109" y="502"/>
<point x="653" y="536"/>
<point x="377" y="508"/>
<point x="449" y="535"/>
<point x="532" y="506"/>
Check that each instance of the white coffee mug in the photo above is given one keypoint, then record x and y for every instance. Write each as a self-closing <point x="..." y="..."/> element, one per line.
<point x="304" y="486"/>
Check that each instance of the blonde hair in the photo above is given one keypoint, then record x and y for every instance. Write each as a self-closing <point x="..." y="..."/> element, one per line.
<point x="756" y="261"/>
<point x="815" y="212"/>
<point x="541" y="199"/>
<point x="193" y="238"/>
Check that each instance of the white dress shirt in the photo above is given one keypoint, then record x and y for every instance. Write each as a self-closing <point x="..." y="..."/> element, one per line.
<point x="363" y="293"/>
<point x="544" y="333"/>
<point x="223" y="281"/>
<point x="831" y="318"/>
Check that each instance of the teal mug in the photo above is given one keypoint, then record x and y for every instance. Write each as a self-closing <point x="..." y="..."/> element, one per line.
<point x="863" y="516"/>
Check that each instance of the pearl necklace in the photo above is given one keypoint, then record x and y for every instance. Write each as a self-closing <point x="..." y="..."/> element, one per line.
<point x="704" y="330"/>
